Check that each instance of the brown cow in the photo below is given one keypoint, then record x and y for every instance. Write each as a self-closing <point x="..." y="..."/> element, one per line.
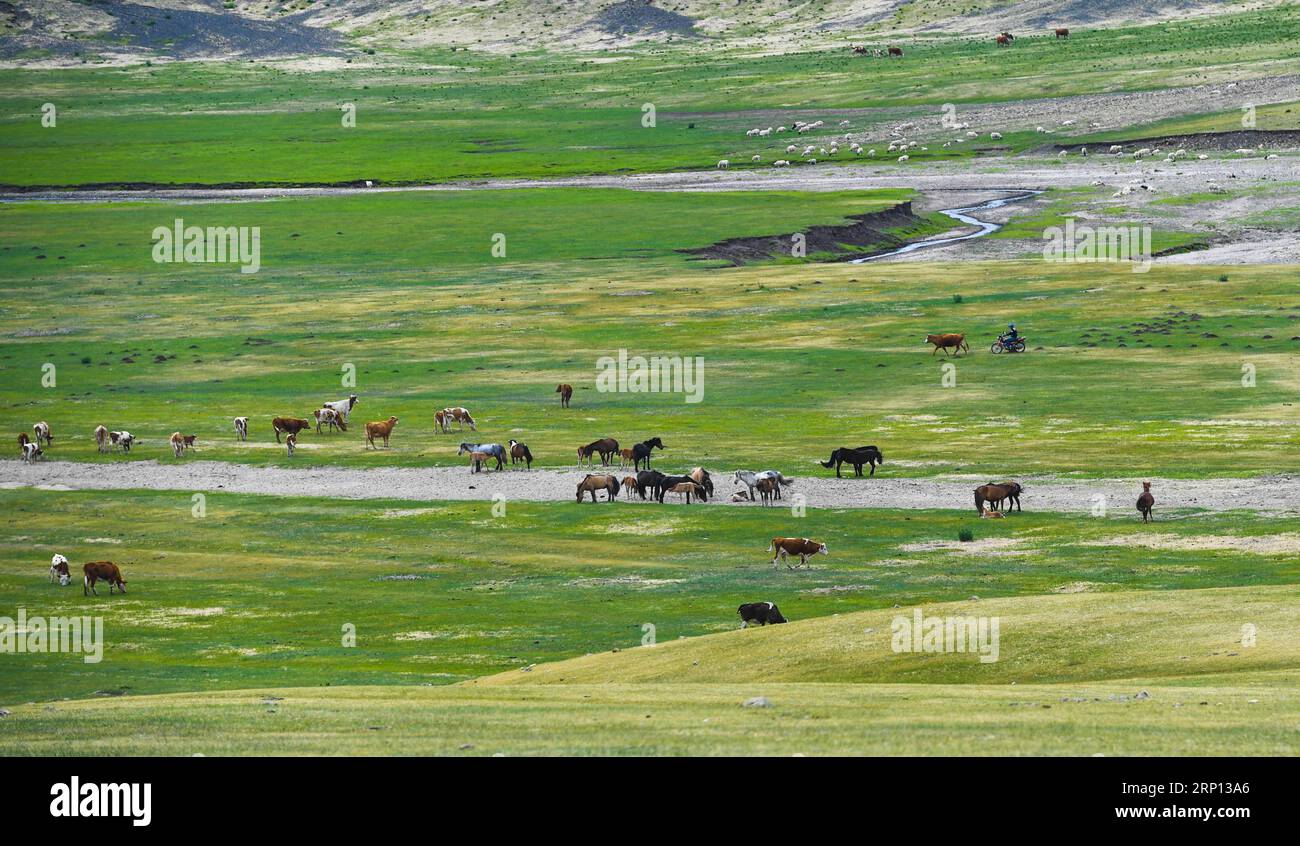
<point x="590" y="484"/>
<point x="288" y="425"/>
<point x="896" y="51"/>
<point x="178" y="444"/>
<point x="994" y="494"/>
<point x="1146" y="502"/>
<point x="102" y="571"/>
<point x="802" y="547"/>
<point x="605" y="447"/>
<point x="1062" y="32"/>
<point x="946" y="340"/>
<point x="380" y="429"/>
<point x="566" y="393"/>
<point x="101" y="438"/>
<point x="1003" y="40"/>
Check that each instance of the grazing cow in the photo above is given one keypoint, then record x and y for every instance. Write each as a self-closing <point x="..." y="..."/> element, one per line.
<point x="241" y="428"/>
<point x="766" y="490"/>
<point x="750" y="479"/>
<point x="59" y="570"/>
<point x="761" y="613"/>
<point x="380" y="429"/>
<point x="648" y="480"/>
<point x="605" y="447"/>
<point x="641" y="452"/>
<point x="995" y="494"/>
<point x="343" y="407"/>
<point x="32" y="451"/>
<point x="441" y="422"/>
<point x="291" y="443"/>
<point x="326" y="416"/>
<point x="1062" y="32"/>
<point x="42" y="431"/>
<point x="288" y="425"/>
<point x="460" y="416"/>
<point x="896" y="51"/>
<point x="946" y="340"/>
<point x="857" y="457"/>
<point x="566" y="393"/>
<point x="802" y="547"/>
<point x="492" y="450"/>
<point x="629" y="486"/>
<point x="519" y="452"/>
<point x="101" y="438"/>
<point x="105" y="571"/>
<point x="125" y="440"/>
<point x="590" y="484"/>
<point x="178" y="444"/>
<point x="1146" y="502"/>
<point x="687" y="488"/>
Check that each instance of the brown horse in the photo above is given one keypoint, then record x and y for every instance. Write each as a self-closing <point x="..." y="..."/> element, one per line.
<point x="946" y="340"/>
<point x="994" y="494"/>
<point x="629" y="485"/>
<point x="896" y="51"/>
<point x="1146" y="502"/>
<point x="590" y="484"/>
<point x="520" y="452"/>
<point x="1062" y="32"/>
<point x="566" y="393"/>
<point x="1003" y="40"/>
<point x="605" y="448"/>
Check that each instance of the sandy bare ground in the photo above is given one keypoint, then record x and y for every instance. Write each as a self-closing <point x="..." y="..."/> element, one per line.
<point x="1277" y="494"/>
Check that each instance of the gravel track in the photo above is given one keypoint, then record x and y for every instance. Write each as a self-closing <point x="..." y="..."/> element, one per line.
<point x="1274" y="494"/>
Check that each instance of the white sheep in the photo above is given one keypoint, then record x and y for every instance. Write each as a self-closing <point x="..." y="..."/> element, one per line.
<point x="723" y="164"/>
<point x="903" y="158"/>
<point x="996" y="136"/>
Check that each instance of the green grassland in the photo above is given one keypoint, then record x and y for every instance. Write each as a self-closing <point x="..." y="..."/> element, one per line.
<point x="438" y="115"/>
<point x="255" y="594"/>
<point x="1131" y="371"/>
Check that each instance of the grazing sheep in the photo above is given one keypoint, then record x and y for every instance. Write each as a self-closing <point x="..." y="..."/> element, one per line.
<point x="903" y="158"/>
<point x="723" y="164"/>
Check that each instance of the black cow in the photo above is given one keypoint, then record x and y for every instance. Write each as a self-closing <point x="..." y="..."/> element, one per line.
<point x="761" y="613"/>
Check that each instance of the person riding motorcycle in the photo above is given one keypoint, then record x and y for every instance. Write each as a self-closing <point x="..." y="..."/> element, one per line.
<point x="1011" y="336"/>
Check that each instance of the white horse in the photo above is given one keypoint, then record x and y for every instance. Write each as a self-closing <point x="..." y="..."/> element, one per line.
<point x="750" y="479"/>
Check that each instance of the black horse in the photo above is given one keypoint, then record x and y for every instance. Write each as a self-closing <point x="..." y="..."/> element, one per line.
<point x="641" y="452"/>
<point x="648" y="480"/>
<point x="857" y="457"/>
<point x="664" y="483"/>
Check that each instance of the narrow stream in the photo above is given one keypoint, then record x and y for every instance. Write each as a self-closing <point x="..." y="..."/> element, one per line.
<point x="962" y="215"/>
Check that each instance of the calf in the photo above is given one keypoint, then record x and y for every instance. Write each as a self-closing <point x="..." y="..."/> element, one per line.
<point x="101" y="438"/>
<point x="42" y="431"/>
<point x="291" y="443"/>
<point x="106" y="571"/>
<point x="241" y="428"/>
<point x="326" y="416"/>
<point x="803" y="547"/>
<point x="122" y="439"/>
<point x="381" y="429"/>
<point x="288" y="425"/>
<point x="761" y="613"/>
<point x="59" y="570"/>
<point x="180" y="443"/>
<point x="31" y="452"/>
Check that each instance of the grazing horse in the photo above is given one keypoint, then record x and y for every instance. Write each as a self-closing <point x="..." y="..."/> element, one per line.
<point x="994" y="494"/>
<point x="519" y="452"/>
<point x="1146" y="502"/>
<point x="493" y="450"/>
<point x="590" y="484"/>
<point x="605" y="447"/>
<point x="1003" y="40"/>
<point x="566" y="393"/>
<point x="946" y="340"/>
<point x="857" y="457"/>
<point x="648" y="480"/>
<point x="1062" y="32"/>
<point x="750" y="479"/>
<point x="641" y="452"/>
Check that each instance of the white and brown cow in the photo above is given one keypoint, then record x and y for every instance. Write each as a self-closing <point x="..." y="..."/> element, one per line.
<point x="59" y="570"/>
<point x="32" y="451"/>
<point x="343" y="407"/>
<point x="125" y="440"/>
<point x="326" y="416"/>
<point x="802" y="547"/>
<point x="241" y="428"/>
<point x="42" y="431"/>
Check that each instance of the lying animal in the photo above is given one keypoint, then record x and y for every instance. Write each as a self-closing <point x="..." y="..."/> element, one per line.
<point x="990" y="514"/>
<point x="761" y="613"/>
